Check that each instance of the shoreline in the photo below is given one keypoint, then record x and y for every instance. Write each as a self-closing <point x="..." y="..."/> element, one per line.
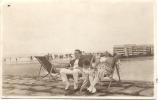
<point x="143" y="69"/>
<point x="138" y="58"/>
<point x="56" y="60"/>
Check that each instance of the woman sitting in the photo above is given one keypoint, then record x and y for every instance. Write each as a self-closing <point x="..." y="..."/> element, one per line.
<point x="106" y="65"/>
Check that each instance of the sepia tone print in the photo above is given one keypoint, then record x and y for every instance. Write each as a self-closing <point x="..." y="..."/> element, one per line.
<point x="81" y="48"/>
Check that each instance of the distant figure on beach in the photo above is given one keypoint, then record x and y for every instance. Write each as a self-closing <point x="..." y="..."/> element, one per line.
<point x="61" y="56"/>
<point x="4" y="59"/>
<point x="74" y="68"/>
<point x="31" y="58"/>
<point x="16" y="59"/>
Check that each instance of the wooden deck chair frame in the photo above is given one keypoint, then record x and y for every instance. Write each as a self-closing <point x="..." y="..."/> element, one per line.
<point x="116" y="67"/>
<point x="111" y="78"/>
<point x="44" y="67"/>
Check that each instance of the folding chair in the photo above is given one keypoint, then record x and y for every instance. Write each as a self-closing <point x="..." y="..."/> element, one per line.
<point x="47" y="66"/>
<point x="112" y="63"/>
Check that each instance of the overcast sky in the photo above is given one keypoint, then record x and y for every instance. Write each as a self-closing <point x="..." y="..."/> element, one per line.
<point x="65" y="25"/>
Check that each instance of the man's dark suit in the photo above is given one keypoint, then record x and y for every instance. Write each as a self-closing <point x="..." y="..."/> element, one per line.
<point x="81" y="60"/>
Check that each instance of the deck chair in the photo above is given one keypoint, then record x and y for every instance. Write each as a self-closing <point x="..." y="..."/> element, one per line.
<point x="47" y="66"/>
<point x="112" y="63"/>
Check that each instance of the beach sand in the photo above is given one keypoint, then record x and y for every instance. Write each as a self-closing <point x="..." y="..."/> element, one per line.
<point x="30" y="86"/>
<point x="21" y="80"/>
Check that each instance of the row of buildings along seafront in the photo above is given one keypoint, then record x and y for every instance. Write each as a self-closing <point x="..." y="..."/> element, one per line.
<point x="132" y="50"/>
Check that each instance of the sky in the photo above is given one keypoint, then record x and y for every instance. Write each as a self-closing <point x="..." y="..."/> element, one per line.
<point x="59" y="26"/>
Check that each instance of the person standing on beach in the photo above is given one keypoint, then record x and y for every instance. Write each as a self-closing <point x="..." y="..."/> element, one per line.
<point x="74" y="69"/>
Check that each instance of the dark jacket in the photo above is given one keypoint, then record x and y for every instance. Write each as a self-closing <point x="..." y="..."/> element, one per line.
<point x="81" y="60"/>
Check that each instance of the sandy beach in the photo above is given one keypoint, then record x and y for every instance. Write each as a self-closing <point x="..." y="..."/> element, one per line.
<point x="21" y="80"/>
<point x="29" y="86"/>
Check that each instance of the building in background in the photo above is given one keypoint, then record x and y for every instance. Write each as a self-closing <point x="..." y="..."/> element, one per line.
<point x="130" y="50"/>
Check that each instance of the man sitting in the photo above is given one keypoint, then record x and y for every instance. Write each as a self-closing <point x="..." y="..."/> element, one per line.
<point x="73" y="69"/>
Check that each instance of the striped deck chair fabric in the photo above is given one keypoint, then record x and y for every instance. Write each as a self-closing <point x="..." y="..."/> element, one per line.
<point x="47" y="66"/>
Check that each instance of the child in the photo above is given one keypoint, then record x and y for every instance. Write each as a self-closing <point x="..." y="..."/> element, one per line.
<point x="90" y="76"/>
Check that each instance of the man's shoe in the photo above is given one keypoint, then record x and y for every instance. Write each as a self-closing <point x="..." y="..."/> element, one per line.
<point x="75" y="86"/>
<point x="67" y="86"/>
<point x="89" y="89"/>
<point x="93" y="90"/>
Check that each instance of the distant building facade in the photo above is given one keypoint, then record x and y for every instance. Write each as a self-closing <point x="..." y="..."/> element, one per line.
<point x="133" y="50"/>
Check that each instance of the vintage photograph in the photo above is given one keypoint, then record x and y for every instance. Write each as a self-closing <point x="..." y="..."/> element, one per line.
<point x="78" y="48"/>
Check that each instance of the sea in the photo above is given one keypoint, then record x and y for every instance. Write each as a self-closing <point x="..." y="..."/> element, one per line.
<point x="134" y="69"/>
